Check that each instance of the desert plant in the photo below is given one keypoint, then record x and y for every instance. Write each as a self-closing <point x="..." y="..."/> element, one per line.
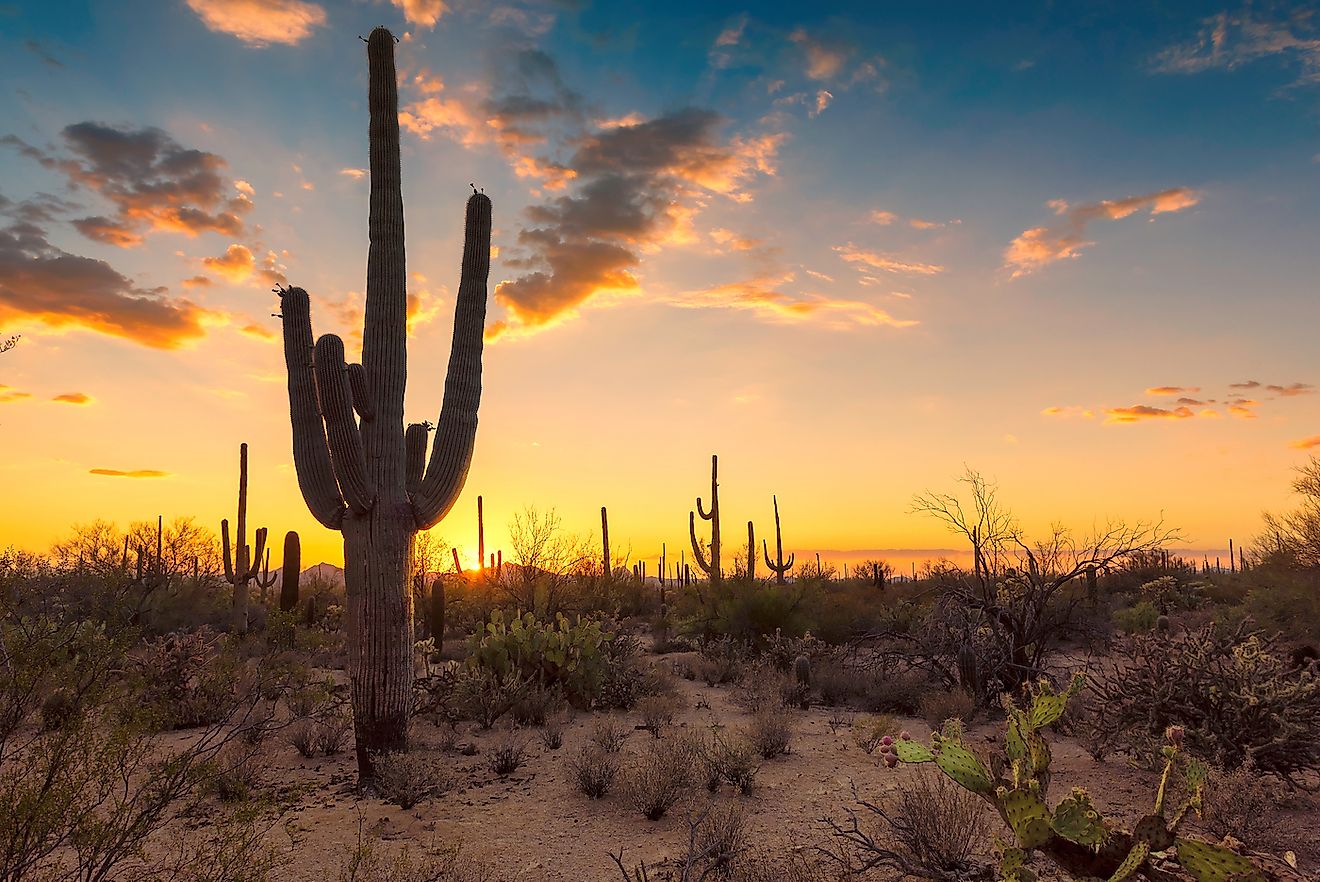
<point x="733" y="759"/>
<point x="778" y="566"/>
<point x="771" y="731"/>
<point x="560" y="653"/>
<point x="187" y="679"/>
<point x="1237" y="698"/>
<point x="594" y="770"/>
<point x="869" y="732"/>
<point x="379" y="501"/>
<point x="931" y="830"/>
<point x="657" y="713"/>
<point x="662" y="775"/>
<point x="242" y="563"/>
<point x="1073" y="835"/>
<point x="235" y="772"/>
<point x="551" y="733"/>
<point x="1138" y="618"/>
<point x="710" y="567"/>
<point x="507" y="753"/>
<point x="481" y="694"/>
<point x="292" y="571"/>
<point x="405" y="779"/>
<point x="954" y="704"/>
<point x="608" y="734"/>
<point x="1240" y="803"/>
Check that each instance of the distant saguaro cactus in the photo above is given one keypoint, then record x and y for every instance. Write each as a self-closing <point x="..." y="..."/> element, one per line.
<point x="780" y="566"/>
<point x="369" y="478"/>
<point x="605" y="543"/>
<point x="710" y="567"/>
<point x="240" y="562"/>
<point x="481" y="534"/>
<point x="292" y="565"/>
<point x="435" y="613"/>
<point x="751" y="552"/>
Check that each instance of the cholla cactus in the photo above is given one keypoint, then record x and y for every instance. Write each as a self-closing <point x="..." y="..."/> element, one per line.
<point x="1074" y="834"/>
<point x="802" y="671"/>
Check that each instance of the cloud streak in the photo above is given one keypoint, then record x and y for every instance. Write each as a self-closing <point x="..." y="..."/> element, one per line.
<point x="134" y="473"/>
<point x="1040" y="246"/>
<point x="261" y="22"/>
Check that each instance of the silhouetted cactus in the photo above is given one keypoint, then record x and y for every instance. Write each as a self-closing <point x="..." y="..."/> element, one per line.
<point x="292" y="572"/>
<point x="802" y="671"/>
<point x="481" y="534"/>
<point x="605" y="543"/>
<point x="363" y="477"/>
<point x="969" y="670"/>
<point x="240" y="562"/>
<point x="435" y="611"/>
<point x="710" y="567"/>
<point x="751" y="553"/>
<point x="780" y="566"/>
<point x="265" y="579"/>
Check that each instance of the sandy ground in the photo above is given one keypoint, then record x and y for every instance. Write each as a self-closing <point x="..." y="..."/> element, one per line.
<point x="536" y="827"/>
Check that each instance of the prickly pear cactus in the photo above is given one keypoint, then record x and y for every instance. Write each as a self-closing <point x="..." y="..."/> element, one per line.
<point x="1018" y="787"/>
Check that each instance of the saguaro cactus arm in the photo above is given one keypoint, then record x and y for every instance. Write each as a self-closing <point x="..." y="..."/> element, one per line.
<point x="414" y="442"/>
<point x="456" y="431"/>
<point x="357" y="382"/>
<point x="696" y="546"/>
<point x="341" y="428"/>
<point x="311" y="451"/>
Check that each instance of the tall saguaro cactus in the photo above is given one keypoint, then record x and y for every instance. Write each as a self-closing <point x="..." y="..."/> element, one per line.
<point x="365" y="475"/>
<point x="292" y="571"/>
<point x="605" y="543"/>
<point x="240" y="562"/>
<point x="779" y="566"/>
<point x="751" y="552"/>
<point x="710" y="567"/>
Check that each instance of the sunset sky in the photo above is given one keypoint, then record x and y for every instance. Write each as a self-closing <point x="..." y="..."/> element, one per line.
<point x="849" y="247"/>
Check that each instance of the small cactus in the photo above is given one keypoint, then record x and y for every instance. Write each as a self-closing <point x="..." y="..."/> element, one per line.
<point x="969" y="670"/>
<point x="802" y="671"/>
<point x="1162" y="624"/>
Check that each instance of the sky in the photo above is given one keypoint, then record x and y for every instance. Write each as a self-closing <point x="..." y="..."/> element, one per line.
<point x="851" y="248"/>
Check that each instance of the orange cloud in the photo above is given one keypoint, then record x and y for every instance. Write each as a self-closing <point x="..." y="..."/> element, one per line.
<point x="356" y="174"/>
<point x="1228" y="41"/>
<point x="824" y="60"/>
<point x="1173" y="390"/>
<point x="235" y="264"/>
<point x="1069" y="411"/>
<point x="135" y="473"/>
<point x="422" y="12"/>
<point x="1305" y="443"/>
<point x="8" y="394"/>
<point x="1041" y="246"/>
<point x="260" y="22"/>
<point x="197" y="282"/>
<point x="759" y="295"/>
<point x="73" y="398"/>
<point x="1140" y="412"/>
<point x="861" y="257"/>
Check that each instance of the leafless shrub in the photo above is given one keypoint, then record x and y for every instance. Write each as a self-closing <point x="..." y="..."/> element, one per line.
<point x="931" y="831"/>
<point x="952" y="704"/>
<point x="662" y="775"/>
<point x="1239" y="803"/>
<point x="771" y="731"/>
<point x="406" y="779"/>
<point x="869" y="731"/>
<point x="609" y="733"/>
<point x="716" y="838"/>
<point x="552" y="733"/>
<point x="733" y="759"/>
<point x="838" y="720"/>
<point x="439" y="863"/>
<point x="235" y="772"/>
<point x="657" y="713"/>
<point x="594" y="770"/>
<point x="507" y="752"/>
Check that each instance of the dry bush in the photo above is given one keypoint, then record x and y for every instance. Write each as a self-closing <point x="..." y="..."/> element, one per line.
<point x="507" y="753"/>
<point x="1239" y="803"/>
<point x="732" y="759"/>
<point x="658" y="778"/>
<point x="536" y="704"/>
<point x="552" y="733"/>
<point x="187" y="678"/>
<point x="896" y="692"/>
<point x="594" y="770"/>
<point x="839" y="719"/>
<point x="932" y="830"/>
<point x="953" y="704"/>
<point x="302" y="735"/>
<point x="657" y="713"/>
<point x="770" y="731"/>
<point x="406" y="779"/>
<point x="235" y="772"/>
<point x="838" y="683"/>
<point x="439" y="863"/>
<point x="332" y="734"/>
<point x="608" y="733"/>
<point x="869" y="731"/>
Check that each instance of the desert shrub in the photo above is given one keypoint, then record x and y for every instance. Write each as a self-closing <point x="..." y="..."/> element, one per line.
<point x="1136" y="619"/>
<point x="952" y="704"/>
<point x="484" y="695"/>
<point x="439" y="863"/>
<point x="837" y="683"/>
<point x="868" y="732"/>
<point x="657" y="713"/>
<point x="721" y="661"/>
<point x="1286" y="601"/>
<point x="1236" y="698"/>
<point x="838" y="719"/>
<point x="1240" y="804"/>
<point x="58" y="710"/>
<point x="660" y="776"/>
<point x="730" y="759"/>
<point x="551" y="733"/>
<point x="186" y="679"/>
<point x="405" y="779"/>
<point x="1168" y="593"/>
<point x="594" y="770"/>
<point x="332" y="733"/>
<point x="730" y="610"/>
<point x="235" y="773"/>
<point x="535" y="703"/>
<point x="770" y="731"/>
<point x="896" y="692"/>
<point x="931" y="830"/>
<point x="608" y="734"/>
<point x="302" y="735"/>
<point x="506" y="754"/>
<point x="763" y="686"/>
<point x="623" y="679"/>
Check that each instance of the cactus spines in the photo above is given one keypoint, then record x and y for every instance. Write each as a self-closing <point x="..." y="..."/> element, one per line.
<point x="802" y="671"/>
<point x="779" y="566"/>
<point x="241" y="561"/>
<point x="362" y="477"/>
<point x="710" y="567"/>
<point x="435" y="612"/>
<point x="605" y="543"/>
<point x="292" y="572"/>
